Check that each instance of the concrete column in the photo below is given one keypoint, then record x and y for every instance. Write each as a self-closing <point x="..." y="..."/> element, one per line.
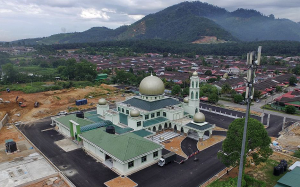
<point x="283" y="123"/>
<point x="268" y="123"/>
<point x="262" y="118"/>
<point x="210" y="132"/>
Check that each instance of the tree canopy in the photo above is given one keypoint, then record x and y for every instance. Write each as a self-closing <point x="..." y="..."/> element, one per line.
<point x="257" y="141"/>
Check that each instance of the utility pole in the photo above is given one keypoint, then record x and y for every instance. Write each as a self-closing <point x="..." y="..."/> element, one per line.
<point x="249" y="95"/>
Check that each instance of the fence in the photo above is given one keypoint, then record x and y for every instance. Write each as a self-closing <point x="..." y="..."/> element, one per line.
<point x="4" y="121"/>
<point x="220" y="113"/>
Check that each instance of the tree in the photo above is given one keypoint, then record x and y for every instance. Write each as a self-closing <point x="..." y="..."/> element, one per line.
<point x="278" y="89"/>
<point x="238" y="98"/>
<point x="293" y="80"/>
<point x="227" y="66"/>
<point x="208" y="72"/>
<point x="176" y="90"/>
<point x="165" y="54"/>
<point x="226" y="88"/>
<point x="211" y="80"/>
<point x="257" y="141"/>
<point x="276" y="72"/>
<point x="289" y="109"/>
<point x="257" y="94"/>
<point x="130" y="70"/>
<point x="297" y="154"/>
<point x="10" y="73"/>
<point x="213" y="98"/>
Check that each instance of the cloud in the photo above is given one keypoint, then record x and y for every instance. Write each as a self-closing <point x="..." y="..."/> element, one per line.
<point x="93" y="13"/>
<point x="136" y="17"/>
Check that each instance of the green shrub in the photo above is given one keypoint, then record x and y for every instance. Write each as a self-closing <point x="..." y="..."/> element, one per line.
<point x="289" y="109"/>
<point x="297" y="154"/>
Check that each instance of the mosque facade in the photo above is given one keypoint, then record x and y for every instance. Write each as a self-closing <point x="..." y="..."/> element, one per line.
<point x="134" y="120"/>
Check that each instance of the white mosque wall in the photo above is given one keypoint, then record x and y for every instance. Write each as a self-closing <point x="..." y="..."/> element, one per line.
<point x="101" y="109"/>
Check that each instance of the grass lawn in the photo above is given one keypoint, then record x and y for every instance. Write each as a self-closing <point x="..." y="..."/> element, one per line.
<point x="268" y="107"/>
<point x="263" y="172"/>
<point x="38" y="70"/>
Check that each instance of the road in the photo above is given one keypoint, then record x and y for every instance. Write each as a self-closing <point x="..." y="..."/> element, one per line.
<point x="191" y="173"/>
<point x="79" y="167"/>
<point x="274" y="128"/>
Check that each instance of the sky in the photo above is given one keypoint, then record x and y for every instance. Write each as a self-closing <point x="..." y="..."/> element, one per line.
<point x="20" y="19"/>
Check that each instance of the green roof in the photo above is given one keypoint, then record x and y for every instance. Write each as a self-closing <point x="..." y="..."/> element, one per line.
<point x="120" y="130"/>
<point x="198" y="127"/>
<point x="124" y="147"/>
<point x="65" y="120"/>
<point x="151" y="105"/>
<point x="95" y="118"/>
<point x="154" y="121"/>
<point x="142" y="133"/>
<point x="290" y="179"/>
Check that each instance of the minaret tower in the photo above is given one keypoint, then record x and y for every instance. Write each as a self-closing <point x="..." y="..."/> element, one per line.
<point x="194" y="92"/>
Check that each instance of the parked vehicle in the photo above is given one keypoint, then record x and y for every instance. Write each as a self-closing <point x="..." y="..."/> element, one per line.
<point x="36" y="104"/>
<point x="167" y="158"/>
<point x="62" y="113"/>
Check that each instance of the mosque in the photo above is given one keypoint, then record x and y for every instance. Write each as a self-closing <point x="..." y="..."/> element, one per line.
<point x="121" y="138"/>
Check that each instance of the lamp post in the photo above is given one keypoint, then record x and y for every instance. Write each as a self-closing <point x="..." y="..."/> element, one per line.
<point x="248" y="96"/>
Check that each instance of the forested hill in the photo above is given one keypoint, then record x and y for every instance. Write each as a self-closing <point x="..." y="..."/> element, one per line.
<point x="189" y="22"/>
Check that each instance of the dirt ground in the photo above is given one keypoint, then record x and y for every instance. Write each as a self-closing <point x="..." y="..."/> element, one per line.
<point x="57" y="183"/>
<point x="291" y="140"/>
<point x="52" y="102"/>
<point x="210" y="142"/>
<point x="9" y="132"/>
<point x="174" y="145"/>
<point x="244" y="110"/>
<point x="219" y="129"/>
<point x="120" y="182"/>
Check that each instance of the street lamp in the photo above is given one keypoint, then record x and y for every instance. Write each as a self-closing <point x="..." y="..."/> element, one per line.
<point x="249" y="95"/>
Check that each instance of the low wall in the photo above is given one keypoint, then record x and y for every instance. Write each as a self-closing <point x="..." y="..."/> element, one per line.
<point x="3" y="121"/>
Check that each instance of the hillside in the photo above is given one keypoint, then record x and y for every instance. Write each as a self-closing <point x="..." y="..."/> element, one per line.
<point x="189" y="22"/>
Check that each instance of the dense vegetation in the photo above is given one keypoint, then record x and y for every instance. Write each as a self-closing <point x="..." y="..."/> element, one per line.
<point x="271" y="48"/>
<point x="188" y="21"/>
<point x="38" y="70"/>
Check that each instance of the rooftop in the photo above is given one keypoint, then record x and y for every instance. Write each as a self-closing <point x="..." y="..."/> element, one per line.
<point x="154" y="121"/>
<point x="290" y="179"/>
<point x="151" y="105"/>
<point x="126" y="146"/>
<point x="198" y="127"/>
<point x="65" y="120"/>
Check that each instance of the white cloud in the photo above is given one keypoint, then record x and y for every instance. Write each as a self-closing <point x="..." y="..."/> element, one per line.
<point x="92" y="13"/>
<point x="5" y="11"/>
<point x="136" y="17"/>
<point x="108" y="10"/>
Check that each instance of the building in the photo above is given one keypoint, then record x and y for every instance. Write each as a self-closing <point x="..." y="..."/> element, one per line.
<point x="290" y="179"/>
<point x="119" y="137"/>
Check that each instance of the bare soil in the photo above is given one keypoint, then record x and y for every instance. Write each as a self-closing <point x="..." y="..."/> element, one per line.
<point x="119" y="181"/>
<point x="52" y="102"/>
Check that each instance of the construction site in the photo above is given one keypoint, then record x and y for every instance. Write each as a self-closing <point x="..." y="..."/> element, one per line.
<point x="21" y="107"/>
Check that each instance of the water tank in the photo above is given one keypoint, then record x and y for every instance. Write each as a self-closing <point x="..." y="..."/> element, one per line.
<point x="80" y="114"/>
<point x="11" y="147"/>
<point x="110" y="129"/>
<point x="281" y="168"/>
<point x="276" y="171"/>
<point x="284" y="164"/>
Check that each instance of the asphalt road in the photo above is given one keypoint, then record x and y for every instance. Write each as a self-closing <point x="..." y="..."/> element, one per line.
<point x="189" y="146"/>
<point x="190" y="174"/>
<point x="274" y="128"/>
<point x="79" y="167"/>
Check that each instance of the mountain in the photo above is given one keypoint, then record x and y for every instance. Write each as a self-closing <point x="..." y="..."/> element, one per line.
<point x="194" y="22"/>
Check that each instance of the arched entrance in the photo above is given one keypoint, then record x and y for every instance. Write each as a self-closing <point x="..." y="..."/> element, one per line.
<point x="170" y="125"/>
<point x="181" y="130"/>
<point x="166" y="126"/>
<point x="154" y="129"/>
<point x="159" y="128"/>
<point x="193" y="134"/>
<point x="175" y="128"/>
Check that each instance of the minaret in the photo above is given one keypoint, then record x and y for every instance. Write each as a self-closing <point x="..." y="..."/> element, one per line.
<point x="194" y="92"/>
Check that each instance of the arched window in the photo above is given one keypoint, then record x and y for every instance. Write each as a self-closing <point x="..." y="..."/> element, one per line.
<point x="192" y="84"/>
<point x="192" y="95"/>
<point x="197" y="85"/>
<point x="196" y="95"/>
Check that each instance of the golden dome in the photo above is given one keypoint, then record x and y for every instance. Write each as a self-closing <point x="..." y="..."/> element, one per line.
<point x="195" y="73"/>
<point x="134" y="113"/>
<point x="102" y="101"/>
<point x="199" y="117"/>
<point x="152" y="85"/>
<point x="186" y="100"/>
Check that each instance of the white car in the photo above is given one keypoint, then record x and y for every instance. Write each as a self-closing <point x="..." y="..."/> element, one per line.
<point x="62" y="113"/>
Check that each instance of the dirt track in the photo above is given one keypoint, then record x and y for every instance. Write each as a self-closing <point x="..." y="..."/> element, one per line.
<point x="52" y="102"/>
